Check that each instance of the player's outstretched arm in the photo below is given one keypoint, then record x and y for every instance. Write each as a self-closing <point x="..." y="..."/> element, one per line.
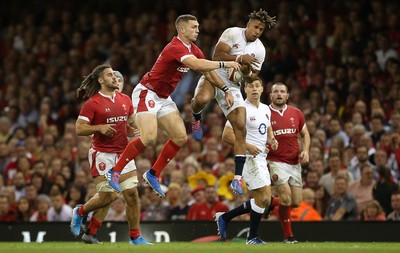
<point x="202" y="65"/>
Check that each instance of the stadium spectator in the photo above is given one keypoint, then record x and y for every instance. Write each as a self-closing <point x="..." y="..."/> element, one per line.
<point x="362" y="188"/>
<point x="373" y="212"/>
<point x="117" y="211"/>
<point x="361" y="160"/>
<point x="24" y="210"/>
<point x="207" y="209"/>
<point x="395" y="214"/>
<point x="342" y="205"/>
<point x="59" y="211"/>
<point x="306" y="211"/>
<point x="334" y="166"/>
<point x="7" y="212"/>
<point x="43" y="205"/>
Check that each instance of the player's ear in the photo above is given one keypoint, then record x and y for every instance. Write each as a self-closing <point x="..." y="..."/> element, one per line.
<point x="100" y="80"/>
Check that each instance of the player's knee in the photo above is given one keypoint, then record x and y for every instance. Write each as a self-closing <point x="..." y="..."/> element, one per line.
<point x="239" y="127"/>
<point x="149" y="139"/>
<point x="108" y="198"/>
<point x="264" y="201"/>
<point x="201" y="99"/>
<point x="285" y="200"/>
<point x="180" y="139"/>
<point x="295" y="204"/>
<point x="131" y="197"/>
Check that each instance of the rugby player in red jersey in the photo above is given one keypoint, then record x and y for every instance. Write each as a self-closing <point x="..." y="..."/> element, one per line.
<point x="154" y="107"/>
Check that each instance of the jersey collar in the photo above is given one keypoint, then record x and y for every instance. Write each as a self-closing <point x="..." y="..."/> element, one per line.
<point x="186" y="45"/>
<point x="112" y="98"/>
<point x="281" y="112"/>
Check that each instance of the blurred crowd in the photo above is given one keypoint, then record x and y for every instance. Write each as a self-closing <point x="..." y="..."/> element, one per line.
<point x="340" y="60"/>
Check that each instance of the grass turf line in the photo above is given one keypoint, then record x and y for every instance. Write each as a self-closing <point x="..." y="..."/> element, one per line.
<point x="188" y="247"/>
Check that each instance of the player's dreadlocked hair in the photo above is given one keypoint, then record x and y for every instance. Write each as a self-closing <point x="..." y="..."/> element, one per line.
<point x="90" y="85"/>
<point x="263" y="16"/>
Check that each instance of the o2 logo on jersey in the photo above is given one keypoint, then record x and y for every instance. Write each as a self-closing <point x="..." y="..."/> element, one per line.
<point x="262" y="129"/>
<point x="102" y="166"/>
<point x="151" y="103"/>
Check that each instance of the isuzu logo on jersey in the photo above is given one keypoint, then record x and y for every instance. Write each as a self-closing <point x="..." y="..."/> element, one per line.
<point x="285" y="131"/>
<point x="182" y="69"/>
<point x="117" y="119"/>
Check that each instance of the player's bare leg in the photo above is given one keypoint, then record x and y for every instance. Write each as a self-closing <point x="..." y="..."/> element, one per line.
<point x="237" y="118"/>
<point x="172" y="124"/>
<point x="203" y="94"/>
<point x="285" y="199"/>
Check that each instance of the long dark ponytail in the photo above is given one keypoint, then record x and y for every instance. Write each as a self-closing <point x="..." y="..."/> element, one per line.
<point x="90" y="85"/>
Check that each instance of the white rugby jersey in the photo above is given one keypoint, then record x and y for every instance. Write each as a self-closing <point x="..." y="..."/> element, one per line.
<point x="257" y="123"/>
<point x="236" y="39"/>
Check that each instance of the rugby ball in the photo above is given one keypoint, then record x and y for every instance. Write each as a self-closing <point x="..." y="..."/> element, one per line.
<point x="234" y="75"/>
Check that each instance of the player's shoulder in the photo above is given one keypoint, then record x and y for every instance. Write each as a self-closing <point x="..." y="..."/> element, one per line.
<point x="122" y="95"/>
<point x="265" y="108"/>
<point x="233" y="31"/>
<point x="95" y="99"/>
<point x="293" y="109"/>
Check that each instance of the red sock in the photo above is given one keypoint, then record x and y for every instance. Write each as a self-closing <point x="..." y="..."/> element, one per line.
<point x="81" y="212"/>
<point x="167" y="154"/>
<point x="94" y="225"/>
<point x="284" y="213"/>
<point x="134" y="233"/>
<point x="133" y="149"/>
<point x="275" y="201"/>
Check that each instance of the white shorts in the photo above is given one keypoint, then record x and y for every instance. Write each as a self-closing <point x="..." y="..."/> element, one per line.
<point x="147" y="101"/>
<point x="100" y="162"/>
<point x="220" y="97"/>
<point x="255" y="172"/>
<point x="282" y="173"/>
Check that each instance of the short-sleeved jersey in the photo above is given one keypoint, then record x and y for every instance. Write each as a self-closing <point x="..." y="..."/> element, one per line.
<point x="101" y="109"/>
<point x="236" y="39"/>
<point x="286" y="125"/>
<point x="257" y="123"/>
<point x="169" y="69"/>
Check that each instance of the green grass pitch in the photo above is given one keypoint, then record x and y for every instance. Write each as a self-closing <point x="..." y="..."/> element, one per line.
<point x="189" y="247"/>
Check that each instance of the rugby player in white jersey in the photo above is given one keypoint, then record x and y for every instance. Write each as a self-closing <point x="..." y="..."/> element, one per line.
<point x="244" y="46"/>
<point x="255" y="172"/>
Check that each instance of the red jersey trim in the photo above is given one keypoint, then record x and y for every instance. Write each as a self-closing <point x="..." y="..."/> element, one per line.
<point x="142" y="101"/>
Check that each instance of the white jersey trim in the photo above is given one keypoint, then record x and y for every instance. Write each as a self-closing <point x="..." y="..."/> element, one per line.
<point x="83" y="118"/>
<point x="278" y="111"/>
<point x="187" y="56"/>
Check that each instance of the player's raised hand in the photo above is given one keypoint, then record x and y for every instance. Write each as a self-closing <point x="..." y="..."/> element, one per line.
<point x="232" y="64"/>
<point x="229" y="99"/>
<point x="248" y="59"/>
<point x="107" y="129"/>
